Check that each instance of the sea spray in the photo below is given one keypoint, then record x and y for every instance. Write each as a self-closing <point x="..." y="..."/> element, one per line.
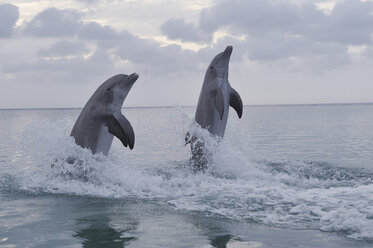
<point x="281" y="193"/>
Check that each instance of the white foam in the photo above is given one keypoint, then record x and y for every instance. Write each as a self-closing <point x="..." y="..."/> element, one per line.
<point x="286" y="193"/>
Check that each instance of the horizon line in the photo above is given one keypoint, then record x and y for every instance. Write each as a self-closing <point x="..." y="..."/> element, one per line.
<point x="189" y="106"/>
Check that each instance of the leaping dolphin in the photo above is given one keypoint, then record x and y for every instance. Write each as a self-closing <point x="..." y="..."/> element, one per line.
<point x="101" y="118"/>
<point x="213" y="104"/>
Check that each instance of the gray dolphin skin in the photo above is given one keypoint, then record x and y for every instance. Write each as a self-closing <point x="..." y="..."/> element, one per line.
<point x="101" y="118"/>
<point x="213" y="104"/>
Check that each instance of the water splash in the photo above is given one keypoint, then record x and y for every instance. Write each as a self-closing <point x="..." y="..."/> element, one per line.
<point x="291" y="194"/>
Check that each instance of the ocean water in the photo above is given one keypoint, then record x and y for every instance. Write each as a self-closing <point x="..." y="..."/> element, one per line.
<point x="284" y="176"/>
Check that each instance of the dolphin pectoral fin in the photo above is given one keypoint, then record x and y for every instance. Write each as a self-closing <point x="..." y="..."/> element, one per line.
<point x="219" y="103"/>
<point x="236" y="102"/>
<point x="121" y="128"/>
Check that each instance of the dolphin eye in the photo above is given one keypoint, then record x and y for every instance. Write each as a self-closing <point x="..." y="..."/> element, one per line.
<point x="108" y="89"/>
<point x="211" y="67"/>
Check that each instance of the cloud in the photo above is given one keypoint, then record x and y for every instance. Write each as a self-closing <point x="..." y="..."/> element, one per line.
<point x="14" y="67"/>
<point x="54" y="22"/>
<point x="62" y="70"/>
<point x="61" y="49"/>
<point x="252" y="16"/>
<point x="276" y="46"/>
<point x="87" y="1"/>
<point x="94" y="1"/>
<point x="350" y="21"/>
<point x="60" y="23"/>
<point x="279" y="33"/>
<point x="283" y="30"/>
<point x="146" y="54"/>
<point x="71" y="36"/>
<point x="95" y="31"/>
<point x="179" y="29"/>
<point x="8" y="18"/>
<point x="64" y="48"/>
<point x="152" y="58"/>
<point x="98" y="63"/>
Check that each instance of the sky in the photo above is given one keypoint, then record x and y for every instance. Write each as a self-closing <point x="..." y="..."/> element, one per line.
<point x="54" y="54"/>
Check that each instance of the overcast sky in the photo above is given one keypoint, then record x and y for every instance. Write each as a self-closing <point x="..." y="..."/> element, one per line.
<point x="56" y="53"/>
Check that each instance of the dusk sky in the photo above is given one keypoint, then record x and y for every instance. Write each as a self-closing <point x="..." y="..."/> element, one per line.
<point x="56" y="53"/>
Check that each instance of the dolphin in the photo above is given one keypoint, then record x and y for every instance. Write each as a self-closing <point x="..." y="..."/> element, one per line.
<point x="213" y="105"/>
<point x="101" y="118"/>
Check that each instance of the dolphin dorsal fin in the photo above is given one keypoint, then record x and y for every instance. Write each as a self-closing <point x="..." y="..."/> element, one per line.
<point x="235" y="102"/>
<point x="121" y="128"/>
<point x="219" y="103"/>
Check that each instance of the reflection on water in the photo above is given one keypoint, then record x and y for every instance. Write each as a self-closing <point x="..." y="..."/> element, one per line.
<point x="103" y="235"/>
<point x="107" y="223"/>
<point x="221" y="241"/>
<point x="102" y="222"/>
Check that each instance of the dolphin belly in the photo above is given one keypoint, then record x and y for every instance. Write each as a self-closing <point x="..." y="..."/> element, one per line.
<point x="104" y="141"/>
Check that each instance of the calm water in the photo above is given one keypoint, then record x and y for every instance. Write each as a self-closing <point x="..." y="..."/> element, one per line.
<point x="284" y="176"/>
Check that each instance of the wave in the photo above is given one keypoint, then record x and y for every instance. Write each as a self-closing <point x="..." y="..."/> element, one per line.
<point x="291" y="194"/>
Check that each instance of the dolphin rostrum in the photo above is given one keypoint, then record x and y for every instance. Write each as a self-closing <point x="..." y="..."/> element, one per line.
<point x="101" y="118"/>
<point x="213" y="105"/>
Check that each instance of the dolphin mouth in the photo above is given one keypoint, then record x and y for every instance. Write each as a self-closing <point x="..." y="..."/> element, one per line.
<point x="128" y="81"/>
<point x="228" y="50"/>
<point x="226" y="54"/>
<point x="132" y="78"/>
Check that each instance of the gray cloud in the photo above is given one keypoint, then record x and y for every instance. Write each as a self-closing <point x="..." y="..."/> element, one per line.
<point x="129" y="47"/>
<point x="350" y="22"/>
<point x="59" y="23"/>
<point x="13" y="67"/>
<point x="282" y="30"/>
<point x="276" y="46"/>
<point x="64" y="48"/>
<point x="154" y="59"/>
<point x="87" y="1"/>
<point x="99" y="63"/>
<point x="145" y="53"/>
<point x="111" y="49"/>
<point x="288" y="41"/>
<point x="95" y="31"/>
<point x="114" y="47"/>
<point x="94" y="1"/>
<point x="179" y="29"/>
<point x="78" y="70"/>
<point x="253" y="16"/>
<point x="54" y="22"/>
<point x="8" y="18"/>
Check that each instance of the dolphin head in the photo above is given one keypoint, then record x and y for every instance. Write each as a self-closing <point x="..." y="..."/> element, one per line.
<point x="220" y="64"/>
<point x="114" y="91"/>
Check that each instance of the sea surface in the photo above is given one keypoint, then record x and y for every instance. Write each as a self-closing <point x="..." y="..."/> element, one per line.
<point x="283" y="176"/>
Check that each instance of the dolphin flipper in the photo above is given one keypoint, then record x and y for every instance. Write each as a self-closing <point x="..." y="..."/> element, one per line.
<point x="235" y="101"/>
<point x="121" y="128"/>
<point x="219" y="103"/>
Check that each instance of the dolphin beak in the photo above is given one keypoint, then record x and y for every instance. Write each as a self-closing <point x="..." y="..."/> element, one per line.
<point x="225" y="57"/>
<point x="129" y="81"/>
<point x="228" y="51"/>
<point x="132" y="78"/>
<point x="227" y="54"/>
